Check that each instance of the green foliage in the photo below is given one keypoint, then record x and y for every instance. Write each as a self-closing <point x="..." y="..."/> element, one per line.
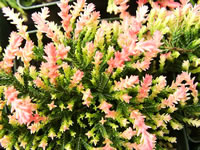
<point x="101" y="84"/>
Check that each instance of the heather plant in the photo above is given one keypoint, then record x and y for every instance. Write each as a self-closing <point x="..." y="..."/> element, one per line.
<point x="101" y="85"/>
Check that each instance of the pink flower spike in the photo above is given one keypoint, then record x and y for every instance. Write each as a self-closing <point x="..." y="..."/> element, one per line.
<point x="169" y="3"/>
<point x="27" y="53"/>
<point x="39" y="83"/>
<point x="179" y="95"/>
<point x="45" y="26"/>
<point x="87" y="18"/>
<point x="111" y="114"/>
<point x="97" y="58"/>
<point x="43" y="145"/>
<point x="51" y="65"/>
<point x="14" y="42"/>
<point x="126" y="83"/>
<point x="147" y="140"/>
<point x="90" y="47"/>
<point x="186" y="77"/>
<point x="102" y="121"/>
<point x="5" y="141"/>
<point x="22" y="108"/>
<point x="107" y="146"/>
<point x="145" y="45"/>
<point x="144" y="89"/>
<point x="105" y="106"/>
<point x="50" y="50"/>
<point x="62" y="51"/>
<point x="118" y="61"/>
<point x="15" y="17"/>
<point x="128" y="133"/>
<point x="51" y="105"/>
<point x="126" y="98"/>
<point x="76" y="78"/>
<point x="141" y="2"/>
<point x="157" y="37"/>
<point x="11" y="95"/>
<point x="141" y="13"/>
<point x="142" y="66"/>
<point x="66" y="17"/>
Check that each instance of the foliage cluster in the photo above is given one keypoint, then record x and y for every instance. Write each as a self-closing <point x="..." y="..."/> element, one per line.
<point x="101" y="85"/>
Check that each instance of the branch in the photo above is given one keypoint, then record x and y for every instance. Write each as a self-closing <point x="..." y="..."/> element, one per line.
<point x="182" y="50"/>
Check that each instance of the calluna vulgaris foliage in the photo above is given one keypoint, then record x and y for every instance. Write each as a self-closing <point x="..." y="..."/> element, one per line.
<point x="101" y="85"/>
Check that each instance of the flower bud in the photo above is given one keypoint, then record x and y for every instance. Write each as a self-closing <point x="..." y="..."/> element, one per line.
<point x="20" y="70"/>
<point x="186" y="65"/>
<point x="68" y="146"/>
<point x="64" y="125"/>
<point x="176" y="125"/>
<point x="19" y="78"/>
<point x="52" y="133"/>
<point x="44" y="142"/>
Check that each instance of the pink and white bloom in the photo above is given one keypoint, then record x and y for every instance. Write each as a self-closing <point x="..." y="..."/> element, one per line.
<point x="147" y="140"/>
<point x="64" y="14"/>
<point x="90" y="48"/>
<point x="179" y="95"/>
<point x="51" y="64"/>
<point x="128" y="82"/>
<point x="87" y="97"/>
<point x="141" y="13"/>
<point x="45" y="26"/>
<point x="141" y="2"/>
<point x="184" y="76"/>
<point x="39" y="83"/>
<point x="26" y="53"/>
<point x="107" y="146"/>
<point x="51" y="105"/>
<point x="77" y="8"/>
<point x="128" y="133"/>
<point x="126" y="98"/>
<point x="111" y="114"/>
<point x="16" y="20"/>
<point x="23" y="108"/>
<point x="5" y="141"/>
<point x="43" y="144"/>
<point x="15" y="42"/>
<point x="86" y="18"/>
<point x="142" y="66"/>
<point x="168" y="3"/>
<point x="104" y="106"/>
<point x="145" y="87"/>
<point x="76" y="78"/>
<point x="62" y="51"/>
<point x="97" y="58"/>
<point x="34" y="127"/>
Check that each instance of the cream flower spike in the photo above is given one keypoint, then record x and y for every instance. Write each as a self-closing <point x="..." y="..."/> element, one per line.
<point x="15" y="17"/>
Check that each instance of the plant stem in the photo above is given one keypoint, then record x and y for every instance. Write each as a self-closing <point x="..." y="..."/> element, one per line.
<point x="178" y="49"/>
<point x="193" y="2"/>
